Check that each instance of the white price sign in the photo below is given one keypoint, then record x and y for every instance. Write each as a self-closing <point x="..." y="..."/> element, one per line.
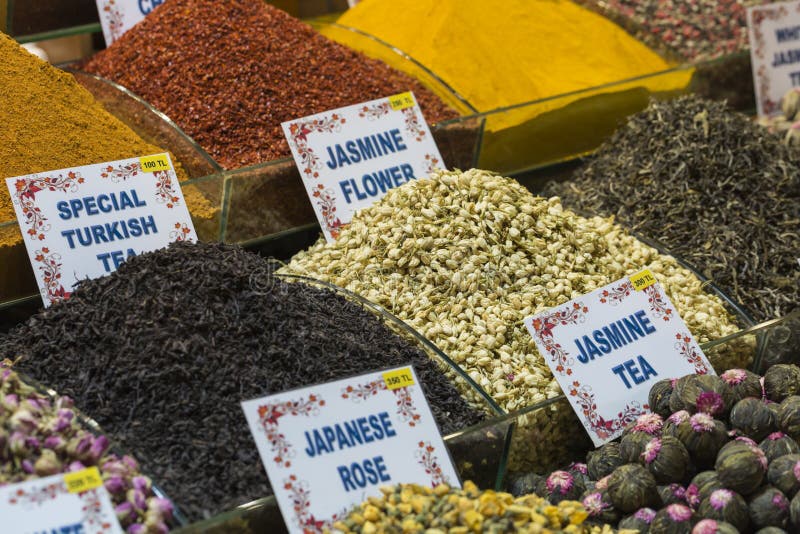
<point x="608" y="347"/>
<point x="119" y="16"/>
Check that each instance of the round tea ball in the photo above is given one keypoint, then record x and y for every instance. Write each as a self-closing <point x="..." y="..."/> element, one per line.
<point x="673" y="519"/>
<point x="658" y="398"/>
<point x="726" y="505"/>
<point x="778" y="444"/>
<point x="712" y="526"/>
<point x="520" y="484"/>
<point x="742" y="384"/>
<point x="769" y="507"/>
<point x="632" y="487"/>
<point x="599" y="507"/>
<point x="632" y="446"/>
<point x="650" y="423"/>
<point x="794" y="513"/>
<point x="741" y="467"/>
<point x="781" y="381"/>
<point x="666" y="458"/>
<point x="784" y="474"/>
<point x="580" y="471"/>
<point x="770" y="530"/>
<point x="701" y="393"/>
<point x="705" y="483"/>
<point x="703" y="436"/>
<point x="672" y="423"/>
<point x="789" y="416"/>
<point x="603" y="461"/>
<point x="560" y="486"/>
<point x="672" y="493"/>
<point x="754" y="418"/>
<point x="639" y="520"/>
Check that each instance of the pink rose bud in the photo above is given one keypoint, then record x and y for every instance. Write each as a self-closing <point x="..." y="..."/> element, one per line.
<point x="11" y="401"/>
<point x="75" y="466"/>
<point x="16" y="443"/>
<point x="115" y="484"/>
<point x="99" y="446"/>
<point x="138" y="499"/>
<point x="136" y="528"/>
<point x="47" y="464"/>
<point x="27" y="466"/>
<point x="126" y="513"/>
<point x="22" y="420"/>
<point x="54" y="442"/>
<point x="141" y="483"/>
<point x="161" y="507"/>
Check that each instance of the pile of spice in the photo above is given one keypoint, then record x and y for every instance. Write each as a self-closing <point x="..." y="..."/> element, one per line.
<point x="413" y="508"/>
<point x="41" y="436"/>
<point x="487" y="55"/>
<point x="464" y="257"/>
<point x="714" y="187"/>
<point x="162" y="351"/>
<point x="228" y="72"/>
<point x="718" y="448"/>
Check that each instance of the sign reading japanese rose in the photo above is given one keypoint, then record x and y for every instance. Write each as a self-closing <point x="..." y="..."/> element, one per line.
<point x="350" y="157"/>
<point x="608" y="347"/>
<point x="119" y="16"/>
<point x="71" y="503"/>
<point x="85" y="222"/>
<point x="774" y="32"/>
<point x="328" y="447"/>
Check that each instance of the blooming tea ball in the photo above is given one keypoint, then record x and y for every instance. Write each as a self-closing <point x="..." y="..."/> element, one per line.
<point x="712" y="526"/>
<point x="523" y="483"/>
<point x="781" y="381"/>
<point x="770" y="530"/>
<point x="703" y="436"/>
<point x="639" y="520"/>
<point x="603" y="461"/>
<point x="672" y="493"/>
<point x="741" y="467"/>
<point x="658" y="398"/>
<point x="778" y="444"/>
<point x="769" y="507"/>
<point x="632" y="487"/>
<point x="794" y="513"/>
<point x="726" y="505"/>
<point x="632" y="445"/>
<point x="754" y="418"/>
<point x="742" y="384"/>
<point x="560" y="486"/>
<point x="666" y="458"/>
<point x="599" y="507"/>
<point x="705" y="483"/>
<point x="789" y="416"/>
<point x="649" y="423"/>
<point x="581" y="472"/>
<point x="784" y="474"/>
<point x="673" y="519"/>
<point x="672" y="423"/>
<point x="701" y="393"/>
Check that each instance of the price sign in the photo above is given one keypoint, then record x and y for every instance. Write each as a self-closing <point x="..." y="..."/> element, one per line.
<point x="119" y="16"/>
<point x="350" y="157"/>
<point x="608" y="347"/>
<point x="328" y="447"/>
<point x="86" y="221"/>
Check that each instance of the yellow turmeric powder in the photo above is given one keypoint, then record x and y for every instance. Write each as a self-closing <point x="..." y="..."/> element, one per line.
<point x="47" y="122"/>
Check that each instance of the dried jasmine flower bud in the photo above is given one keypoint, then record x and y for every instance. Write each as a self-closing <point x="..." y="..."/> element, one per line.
<point x="523" y="483"/>
<point x="778" y="444"/>
<point x="604" y="460"/>
<point x="666" y="458"/>
<point x="599" y="507"/>
<point x="689" y="394"/>
<point x="672" y="493"/>
<point x="769" y="508"/>
<point x="672" y="423"/>
<point x="639" y="520"/>
<point x="741" y="467"/>
<point x="632" y="446"/>
<point x="789" y="416"/>
<point x="673" y="519"/>
<point x="726" y="505"/>
<point x="560" y="486"/>
<point x="703" y="436"/>
<point x="649" y="423"/>
<point x="781" y="381"/>
<point x="712" y="526"/>
<point x="784" y="474"/>
<point x="632" y="487"/>
<point x="658" y="398"/>
<point x="754" y="418"/>
<point x="742" y="384"/>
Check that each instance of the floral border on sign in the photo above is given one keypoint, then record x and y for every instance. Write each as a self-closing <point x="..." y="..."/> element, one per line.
<point x="760" y="15"/>
<point x="543" y="326"/>
<point x="405" y="403"/>
<point x="376" y="111"/>
<point x="93" y="513"/>
<point x="431" y="163"/>
<point x="165" y="189"/>
<point x="114" y="16"/>
<point x="658" y="302"/>
<point x="37" y="496"/>
<point x="326" y="202"/>
<point x="122" y="172"/>
<point x="268" y="415"/>
<point x="689" y="350"/>
<point x="617" y="294"/>
<point x="26" y="189"/>
<point x="94" y="516"/>
<point x="50" y="266"/>
<point x="413" y="123"/>
<point x="430" y="463"/>
<point x="603" y="428"/>
<point x="298" y="135"/>
<point x="181" y="232"/>
<point x="301" y="503"/>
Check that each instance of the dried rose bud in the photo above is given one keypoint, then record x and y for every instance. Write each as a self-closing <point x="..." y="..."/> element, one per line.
<point x="75" y="466"/>
<point x="16" y="443"/>
<point x="55" y="443"/>
<point x="126" y="513"/>
<point x="141" y="483"/>
<point x="115" y="484"/>
<point x="136" y="528"/>
<point x="99" y="446"/>
<point x="47" y="464"/>
<point x="11" y="402"/>
<point x="27" y="466"/>
<point x="22" y="420"/>
<point x="163" y="507"/>
<point x="137" y="498"/>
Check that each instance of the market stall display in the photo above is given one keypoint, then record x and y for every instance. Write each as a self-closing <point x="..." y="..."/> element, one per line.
<point x="212" y="326"/>
<point x="714" y="187"/>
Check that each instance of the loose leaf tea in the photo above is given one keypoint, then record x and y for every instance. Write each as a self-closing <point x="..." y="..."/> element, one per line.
<point x="162" y="351"/>
<point x="716" y="189"/>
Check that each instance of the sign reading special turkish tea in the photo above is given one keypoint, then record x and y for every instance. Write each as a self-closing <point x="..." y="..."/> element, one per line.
<point x="774" y="32"/>
<point x="350" y="157"/>
<point x="119" y="16"/>
<point x="70" y="503"/>
<point x="608" y="347"/>
<point x="85" y="222"/>
<point x="328" y="447"/>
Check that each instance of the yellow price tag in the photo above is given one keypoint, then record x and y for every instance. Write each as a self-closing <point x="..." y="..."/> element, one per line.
<point x="399" y="378"/>
<point x="84" y="480"/>
<point x="401" y="101"/>
<point x="642" y="279"/>
<point x="159" y="162"/>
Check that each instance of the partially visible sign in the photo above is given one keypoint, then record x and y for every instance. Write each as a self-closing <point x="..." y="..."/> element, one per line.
<point x="52" y="504"/>
<point x="85" y="222"/>
<point x="350" y="157"/>
<point x="328" y="447"/>
<point x="774" y="32"/>
<point x="608" y="347"/>
<point x="119" y="16"/>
